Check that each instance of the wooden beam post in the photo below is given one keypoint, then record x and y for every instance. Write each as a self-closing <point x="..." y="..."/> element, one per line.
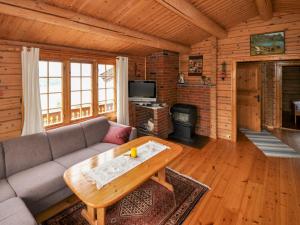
<point x="38" y="11"/>
<point x="192" y="14"/>
<point x="264" y="8"/>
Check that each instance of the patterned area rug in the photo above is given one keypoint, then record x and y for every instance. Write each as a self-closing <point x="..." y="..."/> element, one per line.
<point x="269" y="144"/>
<point x="150" y="204"/>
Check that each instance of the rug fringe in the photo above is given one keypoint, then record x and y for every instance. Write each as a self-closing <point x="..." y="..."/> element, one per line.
<point x="186" y="176"/>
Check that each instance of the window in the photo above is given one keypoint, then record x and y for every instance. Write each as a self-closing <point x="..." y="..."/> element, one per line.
<point x="50" y="77"/>
<point x="81" y="90"/>
<point x="106" y="88"/>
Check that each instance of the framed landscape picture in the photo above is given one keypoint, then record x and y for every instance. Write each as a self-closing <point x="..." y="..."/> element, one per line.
<point x="195" y="65"/>
<point x="267" y="43"/>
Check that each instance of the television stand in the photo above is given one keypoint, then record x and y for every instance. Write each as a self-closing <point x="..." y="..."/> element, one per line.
<point x="140" y="114"/>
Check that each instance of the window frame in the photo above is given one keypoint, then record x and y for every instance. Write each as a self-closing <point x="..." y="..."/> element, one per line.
<point x="66" y="59"/>
<point x="48" y="77"/>
<point x="105" y="89"/>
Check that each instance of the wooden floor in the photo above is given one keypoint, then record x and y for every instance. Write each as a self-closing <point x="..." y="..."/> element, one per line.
<point x="289" y="137"/>
<point x="246" y="186"/>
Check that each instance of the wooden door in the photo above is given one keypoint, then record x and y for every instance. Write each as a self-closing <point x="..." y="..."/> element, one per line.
<point x="249" y="96"/>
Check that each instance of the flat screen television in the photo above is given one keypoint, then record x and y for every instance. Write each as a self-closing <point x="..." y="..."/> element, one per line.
<point x="142" y="90"/>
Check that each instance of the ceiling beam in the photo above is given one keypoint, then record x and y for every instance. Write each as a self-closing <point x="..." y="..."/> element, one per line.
<point x="192" y="14"/>
<point x="264" y="8"/>
<point x="41" y="12"/>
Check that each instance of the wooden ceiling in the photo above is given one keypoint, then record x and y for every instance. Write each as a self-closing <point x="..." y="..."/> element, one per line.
<point x="148" y="17"/>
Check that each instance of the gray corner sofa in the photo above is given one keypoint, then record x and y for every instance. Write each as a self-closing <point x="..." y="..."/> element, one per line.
<point x="32" y="167"/>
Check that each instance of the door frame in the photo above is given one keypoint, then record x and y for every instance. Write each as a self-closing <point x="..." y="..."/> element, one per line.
<point x="234" y="129"/>
<point x="278" y="88"/>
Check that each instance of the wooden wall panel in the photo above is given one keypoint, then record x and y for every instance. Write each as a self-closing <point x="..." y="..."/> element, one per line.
<point x="236" y="47"/>
<point x="11" y="78"/>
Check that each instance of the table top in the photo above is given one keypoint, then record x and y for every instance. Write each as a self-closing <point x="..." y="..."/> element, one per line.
<point x="121" y="186"/>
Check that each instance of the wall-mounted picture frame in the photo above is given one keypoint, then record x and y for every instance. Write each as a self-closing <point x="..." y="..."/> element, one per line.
<point x="267" y="43"/>
<point x="195" y="65"/>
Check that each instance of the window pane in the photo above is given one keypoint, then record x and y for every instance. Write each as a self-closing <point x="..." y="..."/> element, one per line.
<point x="86" y="70"/>
<point x="101" y="83"/>
<point x="86" y="110"/>
<point x="101" y="107"/>
<point x="44" y="103"/>
<point x="75" y="83"/>
<point x="109" y="70"/>
<point x="75" y="98"/>
<point x="86" y="83"/>
<point x="109" y="106"/>
<point x="55" y="101"/>
<point x="86" y="97"/>
<point x="110" y="94"/>
<point x="101" y="95"/>
<point x="43" y="85"/>
<point x="75" y="69"/>
<point x="43" y="69"/>
<point x="101" y="69"/>
<point x="109" y="82"/>
<point x="55" y="85"/>
<point x="55" y="69"/>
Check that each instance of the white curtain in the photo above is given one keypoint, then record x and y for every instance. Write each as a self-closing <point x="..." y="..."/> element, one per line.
<point x="122" y="90"/>
<point x="33" y="120"/>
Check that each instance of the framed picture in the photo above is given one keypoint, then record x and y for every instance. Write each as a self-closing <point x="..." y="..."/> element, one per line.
<point x="195" y="65"/>
<point x="267" y="43"/>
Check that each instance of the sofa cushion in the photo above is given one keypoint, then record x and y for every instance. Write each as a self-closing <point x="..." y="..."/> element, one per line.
<point x="38" y="182"/>
<point x="6" y="192"/>
<point x="65" y="140"/>
<point x="95" y="130"/>
<point x="26" y="152"/>
<point x="133" y="133"/>
<point x="14" y="212"/>
<point x="2" y="164"/>
<point x="117" y="135"/>
<point x="103" y="147"/>
<point x="76" y="157"/>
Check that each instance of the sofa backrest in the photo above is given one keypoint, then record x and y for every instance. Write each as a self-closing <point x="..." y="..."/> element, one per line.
<point x="95" y="130"/>
<point x="2" y="164"/>
<point x="25" y="152"/>
<point x="65" y="140"/>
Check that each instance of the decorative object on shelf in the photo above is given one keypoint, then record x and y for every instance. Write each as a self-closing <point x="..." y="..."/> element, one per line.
<point x="267" y="43"/>
<point x="196" y="65"/>
<point x="223" y="73"/>
<point x="150" y="125"/>
<point x="180" y="78"/>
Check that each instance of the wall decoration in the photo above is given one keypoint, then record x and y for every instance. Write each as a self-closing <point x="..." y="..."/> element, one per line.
<point x="195" y="65"/>
<point x="267" y="43"/>
<point x="180" y="78"/>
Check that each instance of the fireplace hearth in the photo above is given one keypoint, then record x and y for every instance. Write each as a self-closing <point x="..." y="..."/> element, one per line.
<point x="184" y="118"/>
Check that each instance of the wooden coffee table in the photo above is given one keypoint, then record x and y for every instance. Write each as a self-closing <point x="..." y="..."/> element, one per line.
<point x="98" y="200"/>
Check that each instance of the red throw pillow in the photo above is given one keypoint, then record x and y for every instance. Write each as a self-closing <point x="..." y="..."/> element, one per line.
<point x="117" y="135"/>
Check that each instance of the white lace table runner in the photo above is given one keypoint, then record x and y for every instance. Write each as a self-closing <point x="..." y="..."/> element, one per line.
<point x="116" y="167"/>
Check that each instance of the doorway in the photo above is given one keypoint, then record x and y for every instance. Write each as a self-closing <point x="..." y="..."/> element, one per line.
<point x="290" y="100"/>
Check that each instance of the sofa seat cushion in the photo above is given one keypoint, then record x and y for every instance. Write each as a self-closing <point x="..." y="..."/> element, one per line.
<point x="14" y="212"/>
<point x="6" y="192"/>
<point x="38" y="182"/>
<point x="103" y="147"/>
<point x="76" y="157"/>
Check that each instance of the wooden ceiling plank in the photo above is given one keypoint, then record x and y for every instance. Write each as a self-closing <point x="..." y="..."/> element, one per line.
<point x="38" y="11"/>
<point x="264" y="8"/>
<point x="192" y="14"/>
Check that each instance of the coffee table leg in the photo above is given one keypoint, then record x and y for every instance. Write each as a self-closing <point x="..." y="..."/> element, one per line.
<point x="161" y="178"/>
<point x="101" y="216"/>
<point x="90" y="215"/>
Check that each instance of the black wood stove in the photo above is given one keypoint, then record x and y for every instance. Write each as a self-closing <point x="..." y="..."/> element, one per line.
<point x="184" y="118"/>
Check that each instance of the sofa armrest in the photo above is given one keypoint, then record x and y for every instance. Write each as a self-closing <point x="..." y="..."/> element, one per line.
<point x="133" y="133"/>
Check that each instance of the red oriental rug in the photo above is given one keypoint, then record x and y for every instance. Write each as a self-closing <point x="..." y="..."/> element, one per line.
<point x="150" y="204"/>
